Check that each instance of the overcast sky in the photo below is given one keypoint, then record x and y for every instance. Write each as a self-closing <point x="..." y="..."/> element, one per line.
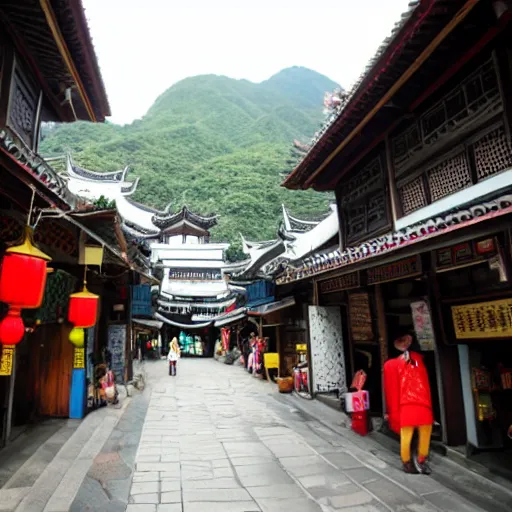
<point x="145" y="46"/>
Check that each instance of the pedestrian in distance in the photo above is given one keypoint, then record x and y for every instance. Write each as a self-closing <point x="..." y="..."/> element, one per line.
<point x="173" y="356"/>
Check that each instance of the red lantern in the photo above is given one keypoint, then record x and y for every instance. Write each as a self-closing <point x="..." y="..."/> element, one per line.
<point x="83" y="307"/>
<point x="22" y="282"/>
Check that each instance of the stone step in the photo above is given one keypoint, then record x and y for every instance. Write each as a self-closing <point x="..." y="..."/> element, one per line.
<point x="64" y="474"/>
<point x="14" y="456"/>
<point x="29" y="472"/>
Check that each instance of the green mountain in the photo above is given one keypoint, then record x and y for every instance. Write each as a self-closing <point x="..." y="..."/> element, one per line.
<point x="213" y="143"/>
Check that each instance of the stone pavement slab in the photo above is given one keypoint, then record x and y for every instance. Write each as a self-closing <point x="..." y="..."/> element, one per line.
<point x="215" y="439"/>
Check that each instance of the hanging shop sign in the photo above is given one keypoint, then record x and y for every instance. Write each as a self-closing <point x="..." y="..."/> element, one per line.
<point x="271" y="360"/>
<point x="339" y="283"/>
<point x="422" y="321"/>
<point x="360" y="317"/>
<point x="301" y="347"/>
<point x="409" y="267"/>
<point x="465" y="253"/>
<point x="483" y="320"/>
<point x="7" y="360"/>
<point x="79" y="358"/>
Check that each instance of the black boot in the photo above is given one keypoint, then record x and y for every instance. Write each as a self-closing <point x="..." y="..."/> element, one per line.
<point x="410" y="468"/>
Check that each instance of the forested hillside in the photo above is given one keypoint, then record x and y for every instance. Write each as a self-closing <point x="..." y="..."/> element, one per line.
<point x="213" y="143"/>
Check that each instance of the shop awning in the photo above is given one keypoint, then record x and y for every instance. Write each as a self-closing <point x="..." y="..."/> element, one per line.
<point x="154" y="324"/>
<point x="260" y="302"/>
<point x="272" y="307"/>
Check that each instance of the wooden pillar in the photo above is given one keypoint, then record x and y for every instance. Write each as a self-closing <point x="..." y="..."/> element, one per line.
<point x="128" y="372"/>
<point x="382" y="336"/>
<point x="447" y="358"/>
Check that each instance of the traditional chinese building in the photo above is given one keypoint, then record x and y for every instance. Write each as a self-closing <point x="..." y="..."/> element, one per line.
<point x="419" y="155"/>
<point x="48" y="72"/>
<point x="194" y="292"/>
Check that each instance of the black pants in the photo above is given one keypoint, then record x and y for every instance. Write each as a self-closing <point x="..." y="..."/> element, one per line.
<point x="172" y="368"/>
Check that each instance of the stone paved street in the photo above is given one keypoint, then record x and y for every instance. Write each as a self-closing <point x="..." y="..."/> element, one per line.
<point x="216" y="439"/>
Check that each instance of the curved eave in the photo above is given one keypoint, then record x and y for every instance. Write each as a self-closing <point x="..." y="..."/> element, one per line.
<point x="75" y="171"/>
<point x="184" y="227"/>
<point x="130" y="188"/>
<point x="165" y="221"/>
<point x="168" y="321"/>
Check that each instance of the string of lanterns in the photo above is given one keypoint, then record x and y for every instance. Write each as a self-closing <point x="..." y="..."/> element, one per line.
<point x="23" y="272"/>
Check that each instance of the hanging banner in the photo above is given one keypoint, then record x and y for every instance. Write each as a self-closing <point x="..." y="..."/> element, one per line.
<point x="409" y="267"/>
<point x="483" y="320"/>
<point x="422" y="321"/>
<point x="225" y="334"/>
<point x="7" y="360"/>
<point x="79" y="358"/>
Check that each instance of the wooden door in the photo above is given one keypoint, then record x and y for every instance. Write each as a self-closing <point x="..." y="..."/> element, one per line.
<point x="52" y="363"/>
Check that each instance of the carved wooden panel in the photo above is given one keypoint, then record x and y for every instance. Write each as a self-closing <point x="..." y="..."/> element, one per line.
<point x="22" y="108"/>
<point x="470" y="101"/>
<point x="493" y="153"/>
<point x="449" y="176"/>
<point x="413" y="196"/>
<point x="363" y="201"/>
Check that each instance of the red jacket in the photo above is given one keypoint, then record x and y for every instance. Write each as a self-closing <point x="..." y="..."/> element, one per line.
<point x="392" y="393"/>
<point x="407" y="392"/>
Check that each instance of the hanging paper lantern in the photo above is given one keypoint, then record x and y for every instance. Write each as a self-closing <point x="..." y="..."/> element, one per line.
<point x="77" y="337"/>
<point x="12" y="328"/>
<point x="83" y="307"/>
<point x="22" y="282"/>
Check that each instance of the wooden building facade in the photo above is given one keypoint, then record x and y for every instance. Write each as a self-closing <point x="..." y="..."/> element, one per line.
<point x="420" y="158"/>
<point x="48" y="72"/>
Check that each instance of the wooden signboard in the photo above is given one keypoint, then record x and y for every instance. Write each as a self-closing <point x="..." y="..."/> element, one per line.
<point x="422" y="321"/>
<point x="464" y="253"/>
<point x="360" y="317"/>
<point x="409" y="267"/>
<point x="339" y="283"/>
<point x="484" y="320"/>
<point x="116" y="346"/>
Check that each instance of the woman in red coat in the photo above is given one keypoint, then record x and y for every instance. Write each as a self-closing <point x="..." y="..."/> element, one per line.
<point x="409" y="403"/>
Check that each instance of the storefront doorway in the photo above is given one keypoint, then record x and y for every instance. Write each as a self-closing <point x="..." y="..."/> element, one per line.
<point x="400" y="299"/>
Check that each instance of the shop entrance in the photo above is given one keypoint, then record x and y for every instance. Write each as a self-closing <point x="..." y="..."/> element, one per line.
<point x="398" y="296"/>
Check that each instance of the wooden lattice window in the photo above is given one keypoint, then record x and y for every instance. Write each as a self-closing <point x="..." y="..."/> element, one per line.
<point x="493" y="153"/>
<point x="472" y="100"/>
<point x="413" y="196"/>
<point x="449" y="176"/>
<point x="363" y="201"/>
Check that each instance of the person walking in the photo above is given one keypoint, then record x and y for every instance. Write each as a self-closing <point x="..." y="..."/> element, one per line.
<point x="173" y="356"/>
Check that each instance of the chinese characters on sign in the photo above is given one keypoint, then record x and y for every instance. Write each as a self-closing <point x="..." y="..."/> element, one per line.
<point x="404" y="268"/>
<point x="339" y="283"/>
<point x="79" y="358"/>
<point x="483" y="320"/>
<point x="423" y="324"/>
<point x="7" y="360"/>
